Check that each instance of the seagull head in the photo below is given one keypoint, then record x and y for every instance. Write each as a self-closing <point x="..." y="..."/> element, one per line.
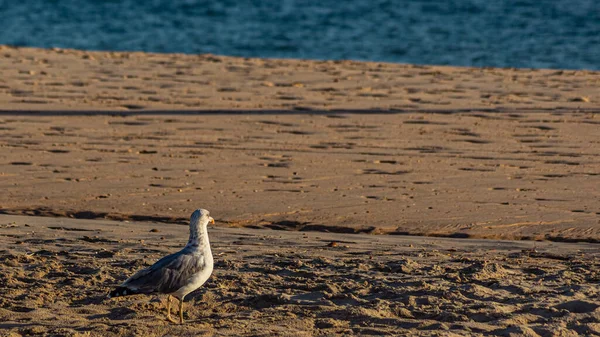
<point x="202" y="217"/>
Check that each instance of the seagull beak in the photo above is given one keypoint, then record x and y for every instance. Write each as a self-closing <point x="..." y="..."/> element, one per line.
<point x="211" y="220"/>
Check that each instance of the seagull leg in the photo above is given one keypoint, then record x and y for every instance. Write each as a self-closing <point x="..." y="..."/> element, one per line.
<point x="169" y="309"/>
<point x="181" y="310"/>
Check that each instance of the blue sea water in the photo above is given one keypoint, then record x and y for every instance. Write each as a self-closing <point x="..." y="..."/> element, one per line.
<point x="497" y="33"/>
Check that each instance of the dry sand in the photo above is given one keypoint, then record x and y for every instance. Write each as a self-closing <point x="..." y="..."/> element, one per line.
<point x="56" y="274"/>
<point x="38" y="79"/>
<point x="469" y="175"/>
<point x="344" y="147"/>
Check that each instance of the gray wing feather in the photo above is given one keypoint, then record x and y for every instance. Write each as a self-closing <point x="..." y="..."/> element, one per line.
<point x="167" y="275"/>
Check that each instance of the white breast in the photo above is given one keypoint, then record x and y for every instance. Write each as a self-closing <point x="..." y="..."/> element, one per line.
<point x="197" y="280"/>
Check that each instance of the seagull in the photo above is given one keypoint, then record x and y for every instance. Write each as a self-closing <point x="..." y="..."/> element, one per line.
<point x="177" y="274"/>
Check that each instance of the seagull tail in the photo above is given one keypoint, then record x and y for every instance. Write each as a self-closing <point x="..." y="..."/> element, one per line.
<point x="122" y="291"/>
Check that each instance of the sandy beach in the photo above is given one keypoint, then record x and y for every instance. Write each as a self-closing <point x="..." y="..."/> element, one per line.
<point x="346" y="146"/>
<point x="350" y="197"/>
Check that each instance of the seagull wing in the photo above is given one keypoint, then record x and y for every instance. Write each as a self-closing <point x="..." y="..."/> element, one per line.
<point x="167" y="275"/>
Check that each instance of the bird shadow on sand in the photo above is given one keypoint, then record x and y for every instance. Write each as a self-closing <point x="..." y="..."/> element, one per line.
<point x="119" y="313"/>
